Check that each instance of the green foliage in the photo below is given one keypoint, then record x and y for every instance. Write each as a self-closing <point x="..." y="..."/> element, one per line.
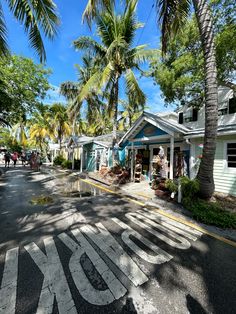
<point x="23" y="84"/>
<point x="210" y="213"/>
<point x="117" y="58"/>
<point x="58" y="160"/>
<point x="181" y="73"/>
<point x="67" y="164"/>
<point x="202" y="210"/>
<point x="171" y="186"/>
<point x="189" y="187"/>
<point x="38" y="18"/>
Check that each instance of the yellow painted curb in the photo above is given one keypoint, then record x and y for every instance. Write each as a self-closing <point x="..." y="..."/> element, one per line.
<point x="183" y="221"/>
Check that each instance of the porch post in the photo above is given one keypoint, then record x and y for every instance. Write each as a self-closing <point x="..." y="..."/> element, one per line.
<point x="132" y="161"/>
<point x="81" y="158"/>
<point x="171" y="157"/>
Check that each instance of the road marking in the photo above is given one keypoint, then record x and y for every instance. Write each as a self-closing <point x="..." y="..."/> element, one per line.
<point x="160" y="257"/>
<point x="9" y="282"/>
<point x="54" y="284"/>
<point x="179" y="228"/>
<point x="162" y="212"/>
<point x="114" y="251"/>
<point x="145" y="223"/>
<point x="94" y="296"/>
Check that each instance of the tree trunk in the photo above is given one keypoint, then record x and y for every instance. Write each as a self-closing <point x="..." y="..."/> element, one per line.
<point x="115" y="107"/>
<point x="205" y="24"/>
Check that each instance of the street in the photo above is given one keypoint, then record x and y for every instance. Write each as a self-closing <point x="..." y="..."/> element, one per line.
<point x="98" y="252"/>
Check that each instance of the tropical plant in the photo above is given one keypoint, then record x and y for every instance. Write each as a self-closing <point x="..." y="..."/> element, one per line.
<point x="130" y="112"/>
<point x="37" y="17"/>
<point x="59" y="122"/>
<point x="173" y="16"/>
<point x="118" y="58"/>
<point x="40" y="129"/>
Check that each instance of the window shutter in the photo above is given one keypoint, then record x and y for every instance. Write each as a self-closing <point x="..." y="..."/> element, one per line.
<point x="181" y="117"/>
<point x="232" y="105"/>
<point x="195" y="114"/>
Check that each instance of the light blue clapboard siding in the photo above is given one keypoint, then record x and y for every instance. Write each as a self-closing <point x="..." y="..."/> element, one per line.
<point x="225" y="179"/>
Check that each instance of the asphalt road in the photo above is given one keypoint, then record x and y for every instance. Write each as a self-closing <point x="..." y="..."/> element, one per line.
<point x="97" y="252"/>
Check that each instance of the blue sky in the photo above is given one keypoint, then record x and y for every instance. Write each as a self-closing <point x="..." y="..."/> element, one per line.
<point x="61" y="56"/>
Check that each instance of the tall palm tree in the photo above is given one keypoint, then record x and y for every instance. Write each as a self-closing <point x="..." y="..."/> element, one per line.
<point x="172" y="16"/>
<point x="37" y="17"/>
<point x="118" y="58"/>
<point x="60" y="122"/>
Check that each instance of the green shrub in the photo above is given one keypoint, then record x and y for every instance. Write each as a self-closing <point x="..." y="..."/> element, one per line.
<point x="171" y="186"/>
<point x="67" y="164"/>
<point x="210" y="213"/>
<point x="58" y="160"/>
<point x="190" y="188"/>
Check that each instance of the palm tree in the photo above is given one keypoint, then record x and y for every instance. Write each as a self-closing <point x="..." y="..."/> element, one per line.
<point x="19" y="132"/>
<point x="40" y="129"/>
<point x="71" y="90"/>
<point x="37" y="17"/>
<point x="118" y="58"/>
<point x="59" y="121"/>
<point x="172" y="16"/>
<point x="130" y="113"/>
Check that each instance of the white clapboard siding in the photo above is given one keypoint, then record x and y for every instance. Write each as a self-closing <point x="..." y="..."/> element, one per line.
<point x="225" y="179"/>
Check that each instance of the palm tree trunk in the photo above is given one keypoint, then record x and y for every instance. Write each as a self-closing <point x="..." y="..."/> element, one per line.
<point x="115" y="107"/>
<point x="205" y="24"/>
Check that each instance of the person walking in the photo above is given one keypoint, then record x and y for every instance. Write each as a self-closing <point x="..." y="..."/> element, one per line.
<point x="7" y="158"/>
<point x="23" y="158"/>
<point x="14" y="157"/>
<point x="38" y="161"/>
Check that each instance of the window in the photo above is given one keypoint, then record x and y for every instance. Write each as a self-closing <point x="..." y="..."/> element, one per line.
<point x="227" y="107"/>
<point x="181" y="117"/>
<point x="191" y="115"/>
<point x="231" y="155"/>
<point x="232" y="105"/>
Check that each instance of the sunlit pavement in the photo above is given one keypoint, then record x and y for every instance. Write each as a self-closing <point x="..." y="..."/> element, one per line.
<point x="97" y="252"/>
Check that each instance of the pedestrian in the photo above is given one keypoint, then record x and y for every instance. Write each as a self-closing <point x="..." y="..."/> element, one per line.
<point x="38" y="161"/>
<point x="23" y="158"/>
<point x="32" y="160"/>
<point x="14" y="157"/>
<point x="7" y="158"/>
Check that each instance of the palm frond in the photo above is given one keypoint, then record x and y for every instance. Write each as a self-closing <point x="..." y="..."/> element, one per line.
<point x="87" y="43"/>
<point x="133" y="89"/>
<point x="144" y="55"/>
<point x="3" y="35"/>
<point x="172" y="16"/>
<point x="69" y="90"/>
<point x="94" y="7"/>
<point x="36" y="16"/>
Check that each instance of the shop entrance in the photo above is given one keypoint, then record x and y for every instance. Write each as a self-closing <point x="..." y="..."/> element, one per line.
<point x="145" y="156"/>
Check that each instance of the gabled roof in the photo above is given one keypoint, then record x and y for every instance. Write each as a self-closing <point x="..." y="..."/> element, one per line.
<point x="168" y="125"/>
